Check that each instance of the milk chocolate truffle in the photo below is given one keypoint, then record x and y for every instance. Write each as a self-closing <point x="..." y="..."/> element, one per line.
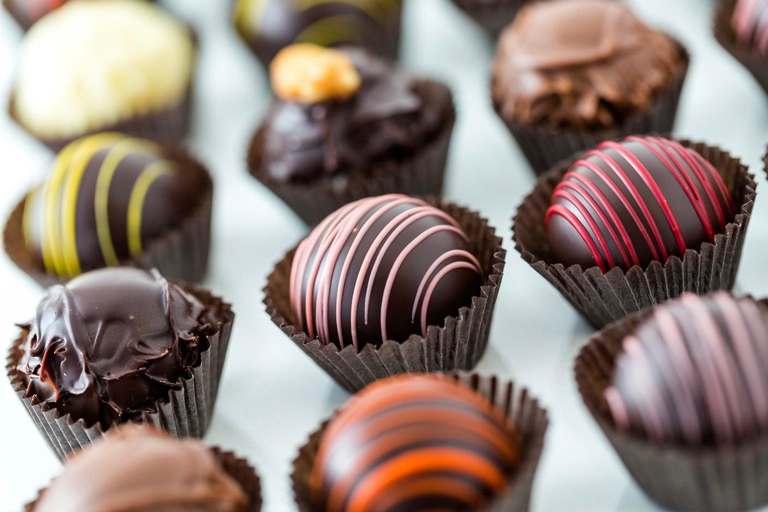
<point x="694" y="373"/>
<point x="380" y="269"/>
<point x="750" y="25"/>
<point x="141" y="469"/>
<point x="107" y="198"/>
<point x="137" y="82"/>
<point x="112" y="343"/>
<point x="414" y="443"/>
<point x="268" y="26"/>
<point x="594" y="73"/>
<point x="636" y="201"/>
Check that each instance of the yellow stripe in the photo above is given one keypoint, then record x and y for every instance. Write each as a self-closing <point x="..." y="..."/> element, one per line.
<point x="101" y="197"/>
<point x="28" y="221"/>
<point x="374" y="8"/>
<point x="136" y="205"/>
<point x="330" y="31"/>
<point x="248" y="15"/>
<point x="51" y="213"/>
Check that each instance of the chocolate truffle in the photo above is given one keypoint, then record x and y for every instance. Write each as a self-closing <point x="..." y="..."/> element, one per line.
<point x="414" y="443"/>
<point x="750" y="24"/>
<point x="636" y="201"/>
<point x="361" y="116"/>
<point x="268" y="26"/>
<point x="112" y="343"/>
<point x="141" y="469"/>
<point x="64" y="89"/>
<point x="380" y="269"/>
<point x="594" y="73"/>
<point x="107" y="198"/>
<point x="694" y="373"/>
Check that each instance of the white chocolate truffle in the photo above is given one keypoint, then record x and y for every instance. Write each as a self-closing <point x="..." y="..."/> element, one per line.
<point x="90" y="65"/>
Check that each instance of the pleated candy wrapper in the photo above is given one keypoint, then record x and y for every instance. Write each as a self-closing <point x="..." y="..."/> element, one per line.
<point x="606" y="297"/>
<point x="239" y="469"/>
<point x="706" y="479"/>
<point x="755" y="63"/>
<point x="186" y="412"/>
<point x="179" y="255"/>
<point x="528" y="417"/>
<point x="421" y="175"/>
<point x="459" y="345"/>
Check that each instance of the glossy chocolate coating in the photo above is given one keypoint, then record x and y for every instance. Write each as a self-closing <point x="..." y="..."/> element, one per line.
<point x="412" y="443"/>
<point x="142" y="469"/>
<point x="111" y="343"/>
<point x="379" y="269"/>
<point x="593" y="73"/>
<point x="750" y="24"/>
<point x="694" y="373"/>
<point x="392" y="116"/>
<point x="270" y="25"/>
<point x="630" y="203"/>
<point x="107" y="197"/>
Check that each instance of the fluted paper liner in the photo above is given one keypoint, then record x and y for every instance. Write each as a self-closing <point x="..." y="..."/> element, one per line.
<point x="181" y="254"/>
<point x="492" y="15"/>
<point x="239" y="469"/>
<point x="544" y="146"/>
<point x="421" y="175"/>
<point x="756" y="63"/>
<point x="459" y="345"/>
<point x="186" y="412"/>
<point x="530" y="421"/>
<point x="705" y="479"/>
<point x="605" y="297"/>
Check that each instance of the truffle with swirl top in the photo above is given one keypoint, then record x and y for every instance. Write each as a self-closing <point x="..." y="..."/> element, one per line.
<point x="347" y="125"/>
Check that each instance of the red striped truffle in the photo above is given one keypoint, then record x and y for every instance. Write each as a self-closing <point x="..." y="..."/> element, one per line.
<point x="381" y="268"/>
<point x="636" y="201"/>
<point x="750" y="24"/>
<point x="413" y="443"/>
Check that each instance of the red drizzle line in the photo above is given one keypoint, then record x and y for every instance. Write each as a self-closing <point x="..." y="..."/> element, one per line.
<point x="564" y="212"/>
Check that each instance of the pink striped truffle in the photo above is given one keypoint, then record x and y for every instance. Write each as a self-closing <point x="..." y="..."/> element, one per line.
<point x="750" y="24"/>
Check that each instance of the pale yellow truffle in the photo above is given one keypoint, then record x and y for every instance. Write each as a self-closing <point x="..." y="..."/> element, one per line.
<point x="89" y="65"/>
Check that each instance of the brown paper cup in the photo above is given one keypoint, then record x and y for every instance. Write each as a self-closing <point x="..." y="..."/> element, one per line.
<point x="544" y="146"/>
<point x="179" y="255"/>
<point x="529" y="418"/>
<point x="755" y="63"/>
<point x="186" y="412"/>
<point x="421" y="175"/>
<point x="239" y="469"/>
<point x="703" y="479"/>
<point x="492" y="15"/>
<point x="459" y="345"/>
<point x="604" y="298"/>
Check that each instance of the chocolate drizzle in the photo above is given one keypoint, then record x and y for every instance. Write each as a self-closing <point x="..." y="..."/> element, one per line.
<point x="111" y="343"/>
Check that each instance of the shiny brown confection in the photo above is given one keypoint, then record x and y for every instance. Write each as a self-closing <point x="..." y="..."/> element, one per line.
<point x="141" y="469"/>
<point x="382" y="268"/>
<point x="580" y="63"/>
<point x="112" y="343"/>
<point x="414" y="443"/>
<point x="636" y="201"/>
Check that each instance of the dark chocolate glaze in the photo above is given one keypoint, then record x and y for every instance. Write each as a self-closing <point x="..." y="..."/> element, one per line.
<point x="379" y="269"/>
<point x="694" y="373"/>
<point x="111" y="343"/>
<point x="634" y="202"/>
<point x="391" y="117"/>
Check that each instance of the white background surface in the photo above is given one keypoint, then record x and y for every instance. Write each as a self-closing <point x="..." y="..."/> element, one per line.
<point x="272" y="395"/>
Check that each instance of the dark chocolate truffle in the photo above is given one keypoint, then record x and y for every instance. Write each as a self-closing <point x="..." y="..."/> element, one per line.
<point x="379" y="269"/>
<point x="593" y="73"/>
<point x="414" y="443"/>
<point x="636" y="201"/>
<point x="268" y="26"/>
<point x="142" y="469"/>
<point x="750" y="24"/>
<point x="107" y="197"/>
<point x="694" y="373"/>
<point x="112" y="343"/>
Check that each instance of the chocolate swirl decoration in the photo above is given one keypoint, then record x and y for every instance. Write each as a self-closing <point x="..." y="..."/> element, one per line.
<point x="413" y="443"/>
<point x="381" y="268"/>
<point x="106" y="197"/>
<point x="111" y="343"/>
<point x="695" y="373"/>
<point x="636" y="201"/>
<point x="750" y="24"/>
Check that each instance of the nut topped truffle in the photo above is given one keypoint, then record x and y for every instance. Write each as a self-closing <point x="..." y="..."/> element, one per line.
<point x="112" y="343"/>
<point x="592" y="73"/>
